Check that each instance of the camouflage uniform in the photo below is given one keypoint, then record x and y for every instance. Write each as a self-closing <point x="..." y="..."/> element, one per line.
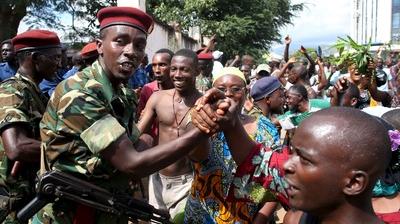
<point x="254" y="112"/>
<point x="84" y="116"/>
<point x="20" y="102"/>
<point x="203" y="83"/>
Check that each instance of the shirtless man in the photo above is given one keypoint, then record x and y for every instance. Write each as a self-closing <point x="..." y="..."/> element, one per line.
<point x="169" y="188"/>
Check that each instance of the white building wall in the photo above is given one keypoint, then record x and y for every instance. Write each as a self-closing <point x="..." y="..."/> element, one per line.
<point x="384" y="21"/>
<point x="141" y="4"/>
<point x="372" y="19"/>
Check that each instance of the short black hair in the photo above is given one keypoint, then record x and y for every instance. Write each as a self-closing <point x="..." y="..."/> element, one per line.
<point x="8" y="41"/>
<point x="353" y="90"/>
<point x="189" y="54"/>
<point x="103" y="33"/>
<point x="301" y="90"/>
<point x="363" y="138"/>
<point x="393" y="118"/>
<point x="263" y="73"/>
<point x="22" y="55"/>
<point x="167" y="51"/>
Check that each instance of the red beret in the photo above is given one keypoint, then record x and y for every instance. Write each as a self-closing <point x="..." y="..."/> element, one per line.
<point x="35" y="39"/>
<point x="125" y="16"/>
<point x="89" y="50"/>
<point x="205" y="56"/>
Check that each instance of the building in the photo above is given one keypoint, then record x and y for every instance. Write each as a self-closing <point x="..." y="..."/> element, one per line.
<point x="164" y="35"/>
<point x="378" y="20"/>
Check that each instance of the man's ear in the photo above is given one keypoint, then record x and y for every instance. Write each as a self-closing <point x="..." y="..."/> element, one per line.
<point x="99" y="44"/>
<point x="354" y="102"/>
<point x="267" y="101"/>
<point x="35" y="57"/>
<point x="355" y="182"/>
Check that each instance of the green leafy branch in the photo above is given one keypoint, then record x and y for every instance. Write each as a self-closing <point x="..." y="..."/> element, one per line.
<point x="350" y="52"/>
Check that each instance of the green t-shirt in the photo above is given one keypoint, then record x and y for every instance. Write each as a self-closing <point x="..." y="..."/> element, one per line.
<point x="290" y="120"/>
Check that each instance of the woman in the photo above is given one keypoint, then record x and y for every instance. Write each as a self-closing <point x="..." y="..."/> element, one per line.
<point x="386" y="197"/>
<point x="368" y="88"/>
<point x="216" y="186"/>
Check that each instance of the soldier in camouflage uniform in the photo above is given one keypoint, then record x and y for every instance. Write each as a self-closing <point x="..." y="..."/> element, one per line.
<point x="88" y="129"/>
<point x="21" y="108"/>
<point x="204" y="79"/>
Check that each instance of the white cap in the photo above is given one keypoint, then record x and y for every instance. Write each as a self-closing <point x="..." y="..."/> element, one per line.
<point x="217" y="54"/>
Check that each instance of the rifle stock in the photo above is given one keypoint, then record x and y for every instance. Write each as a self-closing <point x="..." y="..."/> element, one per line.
<point x="32" y="208"/>
<point x="56" y="184"/>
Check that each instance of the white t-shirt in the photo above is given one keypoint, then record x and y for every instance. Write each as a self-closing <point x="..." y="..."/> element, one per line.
<point x="217" y="67"/>
<point x="385" y="87"/>
<point x="288" y="85"/>
<point x="377" y="111"/>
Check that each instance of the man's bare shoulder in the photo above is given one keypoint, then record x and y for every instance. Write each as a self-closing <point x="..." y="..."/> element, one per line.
<point x="161" y="98"/>
<point x="162" y="94"/>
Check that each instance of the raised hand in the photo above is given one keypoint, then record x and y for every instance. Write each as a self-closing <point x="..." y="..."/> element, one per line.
<point x="303" y="49"/>
<point x="341" y="84"/>
<point x="292" y="60"/>
<point x="288" y="40"/>
<point x="212" y="42"/>
<point x="319" y="60"/>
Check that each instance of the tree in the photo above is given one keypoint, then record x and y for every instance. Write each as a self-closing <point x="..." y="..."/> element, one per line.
<point x="298" y="55"/>
<point x="46" y="13"/>
<point x="241" y="26"/>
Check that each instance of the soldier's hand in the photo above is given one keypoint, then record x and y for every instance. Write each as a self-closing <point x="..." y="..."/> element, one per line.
<point x="204" y="119"/>
<point x="205" y="114"/>
<point x="214" y="112"/>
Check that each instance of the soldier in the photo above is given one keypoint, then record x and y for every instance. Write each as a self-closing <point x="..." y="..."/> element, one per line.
<point x="88" y="129"/>
<point x="89" y="54"/>
<point x="204" y="80"/>
<point x="21" y="107"/>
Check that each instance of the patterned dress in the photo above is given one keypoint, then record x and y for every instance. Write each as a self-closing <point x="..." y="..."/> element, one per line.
<point x="220" y="186"/>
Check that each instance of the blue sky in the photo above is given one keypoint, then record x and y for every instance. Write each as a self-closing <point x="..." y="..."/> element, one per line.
<point x="320" y="23"/>
<point x="66" y="20"/>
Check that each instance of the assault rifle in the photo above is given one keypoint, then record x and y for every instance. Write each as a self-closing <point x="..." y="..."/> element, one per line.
<point x="56" y="184"/>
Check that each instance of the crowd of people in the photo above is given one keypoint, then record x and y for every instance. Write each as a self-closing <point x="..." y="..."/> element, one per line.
<point x="219" y="144"/>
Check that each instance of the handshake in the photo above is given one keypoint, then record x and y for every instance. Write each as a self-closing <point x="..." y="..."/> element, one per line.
<point x="214" y="112"/>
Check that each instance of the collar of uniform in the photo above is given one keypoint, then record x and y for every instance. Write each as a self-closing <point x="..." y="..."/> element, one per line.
<point x="27" y="79"/>
<point x="101" y="76"/>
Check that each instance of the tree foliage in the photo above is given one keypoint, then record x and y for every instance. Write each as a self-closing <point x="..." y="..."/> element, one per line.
<point x="352" y="52"/>
<point x="241" y="26"/>
<point x="46" y="13"/>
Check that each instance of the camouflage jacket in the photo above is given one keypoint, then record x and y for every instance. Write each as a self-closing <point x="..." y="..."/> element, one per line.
<point x="21" y="101"/>
<point x="84" y="116"/>
<point x="203" y="83"/>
